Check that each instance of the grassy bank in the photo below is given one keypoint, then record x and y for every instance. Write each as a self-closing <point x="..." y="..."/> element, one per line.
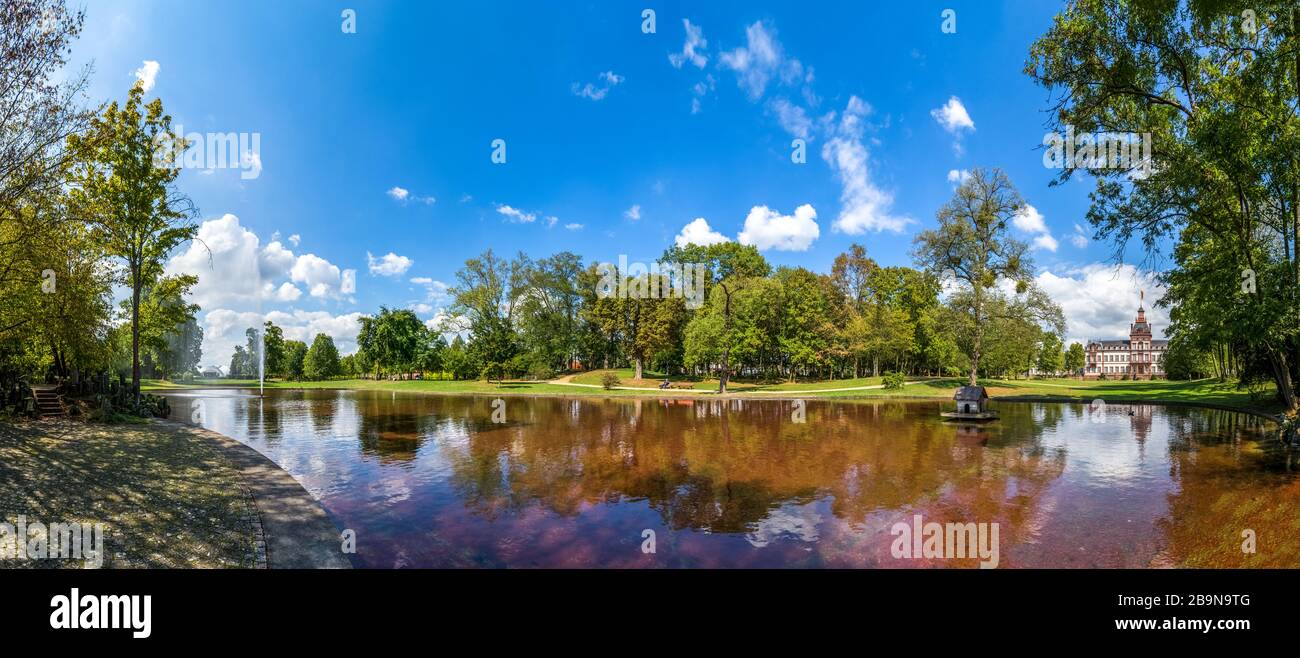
<point x="587" y="384"/>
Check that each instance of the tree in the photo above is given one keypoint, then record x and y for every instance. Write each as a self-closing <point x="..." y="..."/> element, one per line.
<point x="119" y="187"/>
<point x="295" y="358"/>
<point x="483" y="295"/>
<point x="729" y="267"/>
<point x="322" y="359"/>
<point x="1216" y="105"/>
<point x="240" y="363"/>
<point x="169" y="336"/>
<point x="391" y="340"/>
<point x="973" y="249"/>
<point x="1050" y="356"/>
<point x="266" y="352"/>
<point x="1074" y="359"/>
<point x="38" y="113"/>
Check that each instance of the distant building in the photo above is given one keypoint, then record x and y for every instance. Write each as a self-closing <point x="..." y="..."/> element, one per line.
<point x="1139" y="357"/>
<point x="211" y="372"/>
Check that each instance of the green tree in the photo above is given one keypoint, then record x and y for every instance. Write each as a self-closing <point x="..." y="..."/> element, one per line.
<point x="322" y="359"/>
<point x="392" y="340"/>
<point x="973" y="249"/>
<point x="729" y="267"/>
<point x="1216" y="104"/>
<point x="118" y="185"/>
<point x="1050" y="356"/>
<point x="1074" y="359"/>
<point x="295" y="358"/>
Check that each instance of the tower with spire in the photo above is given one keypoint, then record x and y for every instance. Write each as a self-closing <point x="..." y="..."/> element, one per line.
<point x="1139" y="357"/>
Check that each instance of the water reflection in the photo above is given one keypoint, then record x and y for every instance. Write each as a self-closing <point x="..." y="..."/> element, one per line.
<point x="432" y="481"/>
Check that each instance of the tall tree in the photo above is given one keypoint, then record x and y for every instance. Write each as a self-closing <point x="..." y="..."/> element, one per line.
<point x="729" y="267"/>
<point x="973" y="249"/>
<point x="321" y="360"/>
<point x="1074" y="359"/>
<point x="1215" y="96"/>
<point x="129" y="195"/>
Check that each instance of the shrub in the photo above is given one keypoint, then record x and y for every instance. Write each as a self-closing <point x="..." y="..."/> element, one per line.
<point x="894" y="381"/>
<point x="609" y="380"/>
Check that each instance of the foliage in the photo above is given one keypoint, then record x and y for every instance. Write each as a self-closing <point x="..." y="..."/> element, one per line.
<point x="609" y="380"/>
<point x="894" y="381"/>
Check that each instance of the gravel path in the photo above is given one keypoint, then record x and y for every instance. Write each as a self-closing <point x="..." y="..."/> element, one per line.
<point x="166" y="498"/>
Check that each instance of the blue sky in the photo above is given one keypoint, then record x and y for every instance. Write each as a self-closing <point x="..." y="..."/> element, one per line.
<point x="598" y="118"/>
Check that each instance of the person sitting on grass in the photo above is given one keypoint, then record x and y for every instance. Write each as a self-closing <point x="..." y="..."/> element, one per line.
<point x="665" y="384"/>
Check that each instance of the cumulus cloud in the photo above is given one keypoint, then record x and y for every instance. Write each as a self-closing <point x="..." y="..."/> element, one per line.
<point x="323" y="279"/>
<point x="693" y="49"/>
<point x="573" y="226"/>
<point x="761" y="60"/>
<point x="304" y="325"/>
<point x="768" y="229"/>
<point x="597" y="90"/>
<point x="516" y="215"/>
<point x="864" y="206"/>
<point x="390" y="264"/>
<point x="1029" y="221"/>
<point x="633" y="213"/>
<point x="958" y="176"/>
<point x="148" y="73"/>
<point x="230" y="263"/>
<point x="1100" y="300"/>
<point x="953" y="116"/>
<point x="698" y="232"/>
<point x="436" y="292"/>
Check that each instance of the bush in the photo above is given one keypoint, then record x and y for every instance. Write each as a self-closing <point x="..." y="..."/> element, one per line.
<point x="894" y="381"/>
<point x="609" y="380"/>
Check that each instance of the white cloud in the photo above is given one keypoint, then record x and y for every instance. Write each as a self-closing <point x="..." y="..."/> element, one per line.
<point x="953" y="116"/>
<point x="436" y="292"/>
<point x="295" y="239"/>
<point x="958" y="176"/>
<point x="692" y="50"/>
<point x="323" y="279"/>
<point x="1029" y="220"/>
<point x="597" y="91"/>
<point x="698" y="232"/>
<point x="793" y="118"/>
<point x="516" y="215"/>
<point x="761" y="60"/>
<point x="551" y="221"/>
<point x="304" y="325"/>
<point x="287" y="292"/>
<point x="148" y="74"/>
<point x="954" y="119"/>
<point x="230" y="264"/>
<point x="1080" y="238"/>
<point x="390" y="264"/>
<point x="1100" y="300"/>
<point x="768" y="229"/>
<point x="865" y="207"/>
<point x="633" y="213"/>
<point x="573" y="227"/>
<point x="403" y="195"/>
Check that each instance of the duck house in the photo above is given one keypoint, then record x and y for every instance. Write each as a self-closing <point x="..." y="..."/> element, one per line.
<point x="972" y="404"/>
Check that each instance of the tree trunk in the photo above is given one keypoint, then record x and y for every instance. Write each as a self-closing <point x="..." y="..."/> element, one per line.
<point x="726" y="337"/>
<point x="135" y="333"/>
<point x="639" y="362"/>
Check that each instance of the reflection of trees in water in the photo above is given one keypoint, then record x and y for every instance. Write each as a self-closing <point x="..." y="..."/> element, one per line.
<point x="725" y="465"/>
<point x="1232" y="475"/>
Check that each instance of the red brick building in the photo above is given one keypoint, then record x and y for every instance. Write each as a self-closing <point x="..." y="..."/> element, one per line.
<point x="1139" y="357"/>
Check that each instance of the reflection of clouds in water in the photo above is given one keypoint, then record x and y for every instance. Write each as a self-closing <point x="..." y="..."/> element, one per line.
<point x="787" y="522"/>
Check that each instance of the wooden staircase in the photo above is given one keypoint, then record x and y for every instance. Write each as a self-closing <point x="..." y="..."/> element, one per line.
<point x="48" y="402"/>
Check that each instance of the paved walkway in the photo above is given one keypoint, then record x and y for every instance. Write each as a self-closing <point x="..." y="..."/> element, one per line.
<point x="297" y="531"/>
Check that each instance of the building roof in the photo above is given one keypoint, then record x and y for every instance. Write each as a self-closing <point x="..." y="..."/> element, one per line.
<point x="971" y="393"/>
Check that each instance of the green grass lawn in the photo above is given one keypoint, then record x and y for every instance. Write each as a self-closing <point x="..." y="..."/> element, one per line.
<point x="1203" y="392"/>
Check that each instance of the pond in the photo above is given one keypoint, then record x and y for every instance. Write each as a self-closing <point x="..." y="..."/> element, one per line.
<point x="463" y="481"/>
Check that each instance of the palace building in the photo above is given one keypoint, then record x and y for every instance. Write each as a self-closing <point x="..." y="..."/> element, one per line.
<point x="1139" y="357"/>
